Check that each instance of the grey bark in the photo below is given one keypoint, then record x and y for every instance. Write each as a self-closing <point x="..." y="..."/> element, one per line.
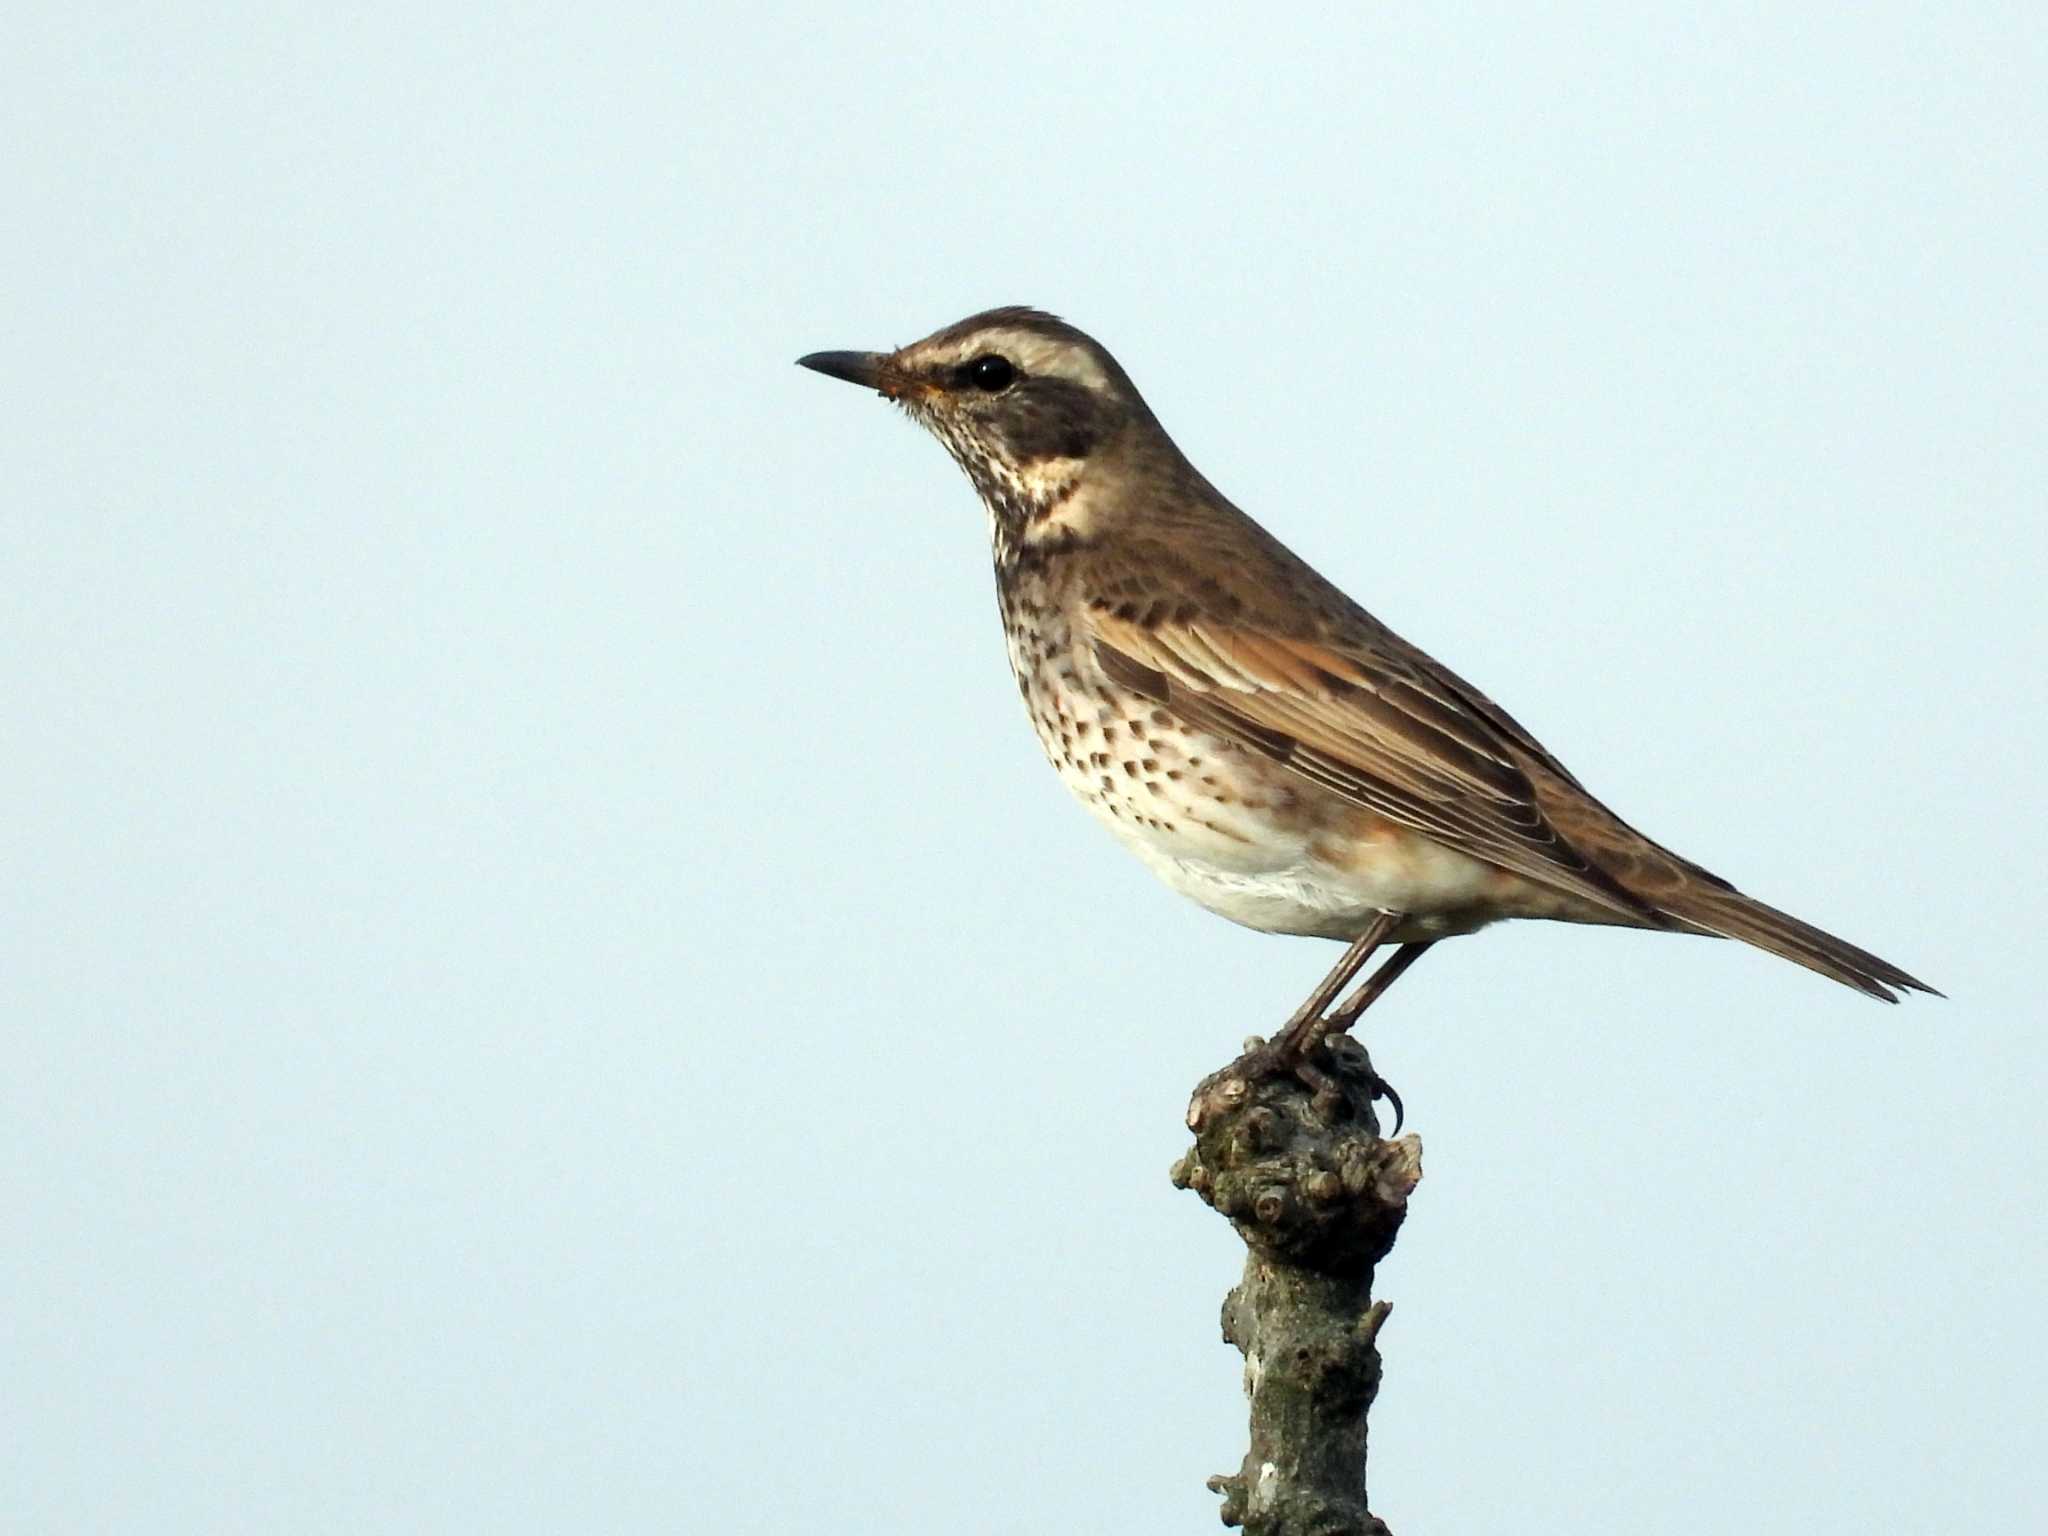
<point x="1317" y="1195"/>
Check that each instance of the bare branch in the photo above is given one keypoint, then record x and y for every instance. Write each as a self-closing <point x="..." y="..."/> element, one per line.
<point x="1317" y="1196"/>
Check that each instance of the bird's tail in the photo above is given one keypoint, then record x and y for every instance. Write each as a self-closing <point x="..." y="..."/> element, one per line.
<point x="1732" y="915"/>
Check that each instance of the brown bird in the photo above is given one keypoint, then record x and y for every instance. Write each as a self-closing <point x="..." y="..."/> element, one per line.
<point x="1263" y="743"/>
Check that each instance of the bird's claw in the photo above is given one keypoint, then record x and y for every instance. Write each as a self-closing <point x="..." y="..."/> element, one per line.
<point x="1331" y="1095"/>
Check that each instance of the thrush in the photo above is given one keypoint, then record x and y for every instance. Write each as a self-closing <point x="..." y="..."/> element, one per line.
<point x="1260" y="741"/>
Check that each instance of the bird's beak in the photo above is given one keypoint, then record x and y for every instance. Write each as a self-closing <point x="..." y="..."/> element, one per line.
<point x="864" y="368"/>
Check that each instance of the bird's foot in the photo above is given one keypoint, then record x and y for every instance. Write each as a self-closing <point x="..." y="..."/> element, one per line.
<point x="1336" y="1070"/>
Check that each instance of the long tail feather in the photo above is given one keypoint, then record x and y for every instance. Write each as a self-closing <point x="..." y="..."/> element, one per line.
<point x="1733" y="915"/>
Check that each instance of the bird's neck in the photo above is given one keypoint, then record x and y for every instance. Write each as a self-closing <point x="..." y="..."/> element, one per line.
<point x="1034" y="507"/>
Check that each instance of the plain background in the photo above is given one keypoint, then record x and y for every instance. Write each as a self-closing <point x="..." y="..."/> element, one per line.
<point x="545" y="985"/>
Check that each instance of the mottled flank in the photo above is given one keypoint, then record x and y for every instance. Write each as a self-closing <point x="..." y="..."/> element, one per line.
<point x="1266" y="746"/>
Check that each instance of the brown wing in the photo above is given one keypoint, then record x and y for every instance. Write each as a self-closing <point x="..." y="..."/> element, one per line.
<point x="1250" y="644"/>
<point x="1372" y="720"/>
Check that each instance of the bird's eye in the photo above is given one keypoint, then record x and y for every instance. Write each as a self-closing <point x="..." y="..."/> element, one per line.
<point x="991" y="373"/>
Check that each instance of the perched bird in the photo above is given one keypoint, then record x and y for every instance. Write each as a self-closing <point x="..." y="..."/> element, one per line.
<point x="1263" y="743"/>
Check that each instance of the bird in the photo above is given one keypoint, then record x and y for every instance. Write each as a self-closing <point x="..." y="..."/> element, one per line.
<point x="1261" y="742"/>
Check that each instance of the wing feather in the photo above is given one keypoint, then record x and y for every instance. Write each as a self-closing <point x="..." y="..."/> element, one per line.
<point x="1359" y="723"/>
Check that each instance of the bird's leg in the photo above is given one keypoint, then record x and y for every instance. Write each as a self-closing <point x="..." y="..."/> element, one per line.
<point x="1299" y="1037"/>
<point x="1346" y="1013"/>
<point x="1303" y="1032"/>
<point x="1348" y="966"/>
<point x="1317" y="1029"/>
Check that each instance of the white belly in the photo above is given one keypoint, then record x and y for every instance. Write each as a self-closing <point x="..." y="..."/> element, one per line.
<point x="1442" y="891"/>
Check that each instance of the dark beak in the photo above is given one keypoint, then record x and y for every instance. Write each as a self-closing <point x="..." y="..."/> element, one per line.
<point x="864" y="368"/>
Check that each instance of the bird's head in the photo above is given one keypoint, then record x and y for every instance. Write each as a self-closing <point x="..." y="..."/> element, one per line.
<point x="1025" y="403"/>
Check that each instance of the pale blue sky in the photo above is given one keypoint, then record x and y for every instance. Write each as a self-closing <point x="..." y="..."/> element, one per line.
<point x="545" y="984"/>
